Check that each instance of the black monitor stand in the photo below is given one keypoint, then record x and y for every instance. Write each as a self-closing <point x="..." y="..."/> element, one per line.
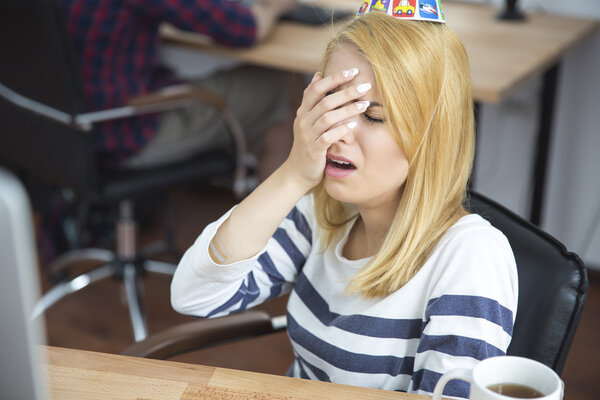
<point x="511" y="12"/>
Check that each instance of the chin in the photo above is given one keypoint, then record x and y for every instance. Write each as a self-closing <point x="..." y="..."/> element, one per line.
<point x="340" y="192"/>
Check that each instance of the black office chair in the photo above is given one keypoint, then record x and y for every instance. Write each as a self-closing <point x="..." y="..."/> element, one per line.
<point x="553" y="286"/>
<point x="44" y="134"/>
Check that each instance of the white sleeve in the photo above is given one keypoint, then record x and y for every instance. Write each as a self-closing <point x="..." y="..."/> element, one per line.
<point x="202" y="288"/>
<point x="471" y="308"/>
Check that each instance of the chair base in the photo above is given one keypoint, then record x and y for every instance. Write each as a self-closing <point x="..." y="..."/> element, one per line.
<point x="125" y="264"/>
<point x="129" y="272"/>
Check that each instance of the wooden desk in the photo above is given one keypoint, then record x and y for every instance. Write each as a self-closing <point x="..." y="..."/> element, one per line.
<point x="85" y="375"/>
<point x="502" y="56"/>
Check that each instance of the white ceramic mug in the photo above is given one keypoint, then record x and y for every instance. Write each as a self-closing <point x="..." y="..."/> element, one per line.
<point x="505" y="370"/>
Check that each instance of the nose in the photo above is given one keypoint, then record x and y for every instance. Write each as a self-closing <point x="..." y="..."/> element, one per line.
<point x="349" y="136"/>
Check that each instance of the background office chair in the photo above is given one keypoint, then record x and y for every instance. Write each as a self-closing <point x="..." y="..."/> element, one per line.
<point x="45" y="136"/>
<point x="553" y="286"/>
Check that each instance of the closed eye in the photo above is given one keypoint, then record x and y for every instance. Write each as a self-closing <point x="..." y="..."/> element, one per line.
<point x="373" y="120"/>
<point x="373" y="112"/>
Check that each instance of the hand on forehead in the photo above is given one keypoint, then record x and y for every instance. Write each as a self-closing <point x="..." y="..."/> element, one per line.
<point x="346" y="58"/>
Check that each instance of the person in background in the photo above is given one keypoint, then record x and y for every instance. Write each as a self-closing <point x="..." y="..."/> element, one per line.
<point x="391" y="281"/>
<point x="117" y="42"/>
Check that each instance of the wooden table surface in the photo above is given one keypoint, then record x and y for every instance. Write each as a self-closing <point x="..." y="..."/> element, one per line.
<point x="502" y="54"/>
<point x="85" y="375"/>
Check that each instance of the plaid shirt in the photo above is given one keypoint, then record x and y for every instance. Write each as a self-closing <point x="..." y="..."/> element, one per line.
<point x="117" y="41"/>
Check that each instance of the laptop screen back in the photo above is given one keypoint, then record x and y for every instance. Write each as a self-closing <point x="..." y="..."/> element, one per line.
<point x="20" y="372"/>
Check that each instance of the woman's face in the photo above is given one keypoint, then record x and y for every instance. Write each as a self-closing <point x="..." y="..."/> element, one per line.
<point x="378" y="166"/>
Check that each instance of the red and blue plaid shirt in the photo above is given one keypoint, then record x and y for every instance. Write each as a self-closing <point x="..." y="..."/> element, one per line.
<point x="118" y="40"/>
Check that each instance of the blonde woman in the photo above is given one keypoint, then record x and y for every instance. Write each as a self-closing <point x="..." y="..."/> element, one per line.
<point x="391" y="281"/>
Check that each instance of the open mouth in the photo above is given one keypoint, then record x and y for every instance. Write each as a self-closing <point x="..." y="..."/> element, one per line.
<point x="340" y="164"/>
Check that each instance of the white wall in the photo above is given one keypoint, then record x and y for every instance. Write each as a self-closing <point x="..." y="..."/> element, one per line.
<point x="507" y="133"/>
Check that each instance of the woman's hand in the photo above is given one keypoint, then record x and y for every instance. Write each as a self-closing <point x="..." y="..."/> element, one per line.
<point x="320" y="121"/>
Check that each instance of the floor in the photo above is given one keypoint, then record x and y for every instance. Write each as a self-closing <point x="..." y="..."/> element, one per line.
<point x="96" y="318"/>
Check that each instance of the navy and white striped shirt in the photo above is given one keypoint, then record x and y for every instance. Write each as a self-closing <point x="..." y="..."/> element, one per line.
<point x="457" y="310"/>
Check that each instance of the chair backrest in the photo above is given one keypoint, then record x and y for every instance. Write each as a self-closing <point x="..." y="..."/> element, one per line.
<point x="553" y="286"/>
<point x="38" y="63"/>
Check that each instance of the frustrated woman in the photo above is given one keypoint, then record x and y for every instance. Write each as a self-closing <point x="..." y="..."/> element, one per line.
<point x="391" y="281"/>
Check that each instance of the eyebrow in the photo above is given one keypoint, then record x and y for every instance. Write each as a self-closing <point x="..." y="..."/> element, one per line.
<point x="373" y="105"/>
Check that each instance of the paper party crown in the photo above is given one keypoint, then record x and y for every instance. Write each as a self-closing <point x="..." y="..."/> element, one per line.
<point x="419" y="10"/>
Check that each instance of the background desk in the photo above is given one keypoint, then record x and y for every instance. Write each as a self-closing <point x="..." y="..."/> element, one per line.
<point x="85" y="375"/>
<point x="502" y="56"/>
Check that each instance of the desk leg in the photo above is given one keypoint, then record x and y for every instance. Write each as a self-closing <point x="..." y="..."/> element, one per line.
<point x="476" y="117"/>
<point x="543" y="141"/>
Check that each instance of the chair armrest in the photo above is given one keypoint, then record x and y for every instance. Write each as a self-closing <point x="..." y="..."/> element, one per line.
<point x="166" y="99"/>
<point x="163" y="100"/>
<point x="203" y="333"/>
<point x="169" y="98"/>
<point x="34" y="107"/>
<point x="178" y="93"/>
<point x="185" y="94"/>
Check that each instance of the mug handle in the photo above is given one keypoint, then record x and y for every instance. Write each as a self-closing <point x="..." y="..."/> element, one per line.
<point x="459" y="373"/>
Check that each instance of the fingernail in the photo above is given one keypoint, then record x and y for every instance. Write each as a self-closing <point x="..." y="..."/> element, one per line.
<point x="351" y="124"/>
<point x="362" y="105"/>
<point x="363" y="87"/>
<point x="315" y="76"/>
<point x="350" y="73"/>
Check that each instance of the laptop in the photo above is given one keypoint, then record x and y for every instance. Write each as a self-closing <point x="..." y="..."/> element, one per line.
<point x="20" y="337"/>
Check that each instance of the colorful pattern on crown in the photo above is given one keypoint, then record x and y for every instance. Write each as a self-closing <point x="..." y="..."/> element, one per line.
<point x="420" y="10"/>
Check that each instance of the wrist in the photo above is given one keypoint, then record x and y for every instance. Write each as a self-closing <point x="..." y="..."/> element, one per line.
<point x="292" y="178"/>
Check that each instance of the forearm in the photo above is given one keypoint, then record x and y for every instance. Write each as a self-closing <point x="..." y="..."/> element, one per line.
<point x="227" y="22"/>
<point x="266" y="13"/>
<point x="203" y="288"/>
<point x="257" y="217"/>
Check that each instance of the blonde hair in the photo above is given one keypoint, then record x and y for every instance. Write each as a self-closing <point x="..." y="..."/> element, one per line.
<point x="422" y="72"/>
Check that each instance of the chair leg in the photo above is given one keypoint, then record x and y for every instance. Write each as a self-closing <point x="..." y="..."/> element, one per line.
<point x="134" y="293"/>
<point x="78" y="255"/>
<point x="65" y="288"/>
<point x="159" y="267"/>
<point x="126" y="252"/>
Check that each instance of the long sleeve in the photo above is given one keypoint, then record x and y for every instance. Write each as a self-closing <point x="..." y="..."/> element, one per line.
<point x="203" y="288"/>
<point x="227" y="22"/>
<point x="470" y="310"/>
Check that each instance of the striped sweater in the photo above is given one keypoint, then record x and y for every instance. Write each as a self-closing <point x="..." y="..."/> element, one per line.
<point x="458" y="309"/>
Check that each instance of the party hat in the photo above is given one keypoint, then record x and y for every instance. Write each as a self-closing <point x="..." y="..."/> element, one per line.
<point x="420" y="10"/>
